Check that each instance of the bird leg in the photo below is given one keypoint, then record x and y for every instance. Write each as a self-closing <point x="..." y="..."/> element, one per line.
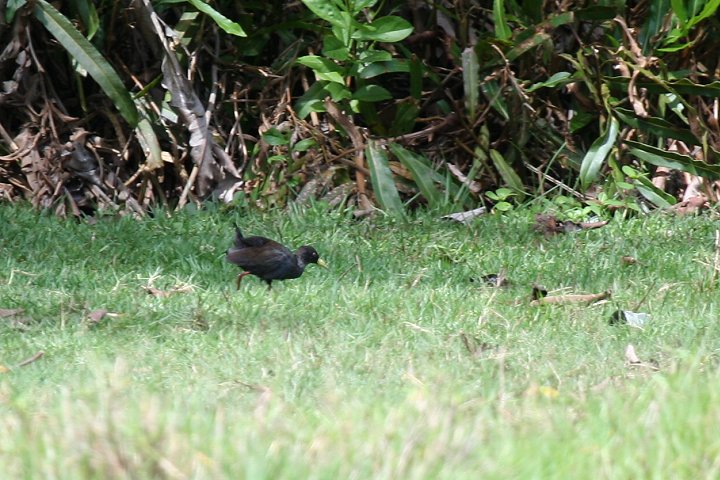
<point x="240" y="277"/>
<point x="269" y="282"/>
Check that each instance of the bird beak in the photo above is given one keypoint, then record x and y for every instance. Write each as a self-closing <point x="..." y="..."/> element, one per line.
<point x="322" y="263"/>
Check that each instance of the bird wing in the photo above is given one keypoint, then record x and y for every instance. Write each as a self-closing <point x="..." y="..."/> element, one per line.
<point x="263" y="259"/>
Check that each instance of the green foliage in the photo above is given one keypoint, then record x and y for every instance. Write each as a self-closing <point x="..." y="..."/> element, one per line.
<point x="350" y="57"/>
<point x="501" y="197"/>
<point x="88" y="57"/>
<point x="382" y="178"/>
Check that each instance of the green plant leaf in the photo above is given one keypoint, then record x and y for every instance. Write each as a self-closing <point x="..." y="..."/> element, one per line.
<point x="385" y="29"/>
<point x="335" y="49"/>
<point x="149" y="143"/>
<point x="502" y="30"/>
<point x="12" y="7"/>
<point x="304" y="145"/>
<point x="708" y="10"/>
<point x="509" y="176"/>
<point x="560" y="78"/>
<point x="683" y="86"/>
<point x="275" y="137"/>
<point x="80" y="49"/>
<point x="529" y="44"/>
<point x="653" y="24"/>
<point x="652" y="193"/>
<point x="326" y="11"/>
<point x="598" y="152"/>
<point x="324" y="69"/>
<point x="471" y="81"/>
<point x="88" y="14"/>
<point x="491" y="90"/>
<point x="503" y="206"/>
<point x="382" y="179"/>
<point x="656" y="126"/>
<point x="678" y="7"/>
<point x="422" y="173"/>
<point x="371" y="93"/>
<point x="370" y="56"/>
<point x="221" y="20"/>
<point x="673" y="160"/>
<point x="378" y="68"/>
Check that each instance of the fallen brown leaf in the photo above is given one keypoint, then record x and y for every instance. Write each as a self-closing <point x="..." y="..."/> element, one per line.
<point x="627" y="260"/>
<point x="97" y="315"/>
<point x="10" y="312"/>
<point x="562" y="299"/>
<point x="690" y="206"/>
<point x="549" y="225"/>
<point x="32" y="359"/>
<point x="156" y="292"/>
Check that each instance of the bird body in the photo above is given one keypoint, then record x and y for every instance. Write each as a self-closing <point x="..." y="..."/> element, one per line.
<point x="268" y="259"/>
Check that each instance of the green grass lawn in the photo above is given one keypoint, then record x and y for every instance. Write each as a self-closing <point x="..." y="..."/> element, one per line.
<point x="392" y="363"/>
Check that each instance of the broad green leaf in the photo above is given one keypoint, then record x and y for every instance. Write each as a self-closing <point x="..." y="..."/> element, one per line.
<point x="673" y="160"/>
<point x="598" y="152"/>
<point x="471" y="81"/>
<point x="491" y="90"/>
<point x="324" y="69"/>
<point x="527" y="45"/>
<point x="503" y="206"/>
<point x="385" y="29"/>
<point x="326" y="11"/>
<point x="581" y="119"/>
<point x="560" y="78"/>
<point x="371" y="93"/>
<point x="369" y="56"/>
<point x="338" y="91"/>
<point x="304" y="145"/>
<point x="509" y="176"/>
<point x="275" y="137"/>
<point x="652" y="193"/>
<point x="379" y="68"/>
<point x="678" y="7"/>
<point x="88" y="57"/>
<point x="502" y="30"/>
<point x="335" y="49"/>
<point x="422" y="173"/>
<point x="221" y="20"/>
<point x="656" y="126"/>
<point x="708" y="10"/>
<point x="382" y="179"/>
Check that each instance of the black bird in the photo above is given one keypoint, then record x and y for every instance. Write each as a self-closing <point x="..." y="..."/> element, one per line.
<point x="268" y="259"/>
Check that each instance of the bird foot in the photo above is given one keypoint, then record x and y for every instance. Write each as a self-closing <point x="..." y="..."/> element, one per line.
<point x="240" y="277"/>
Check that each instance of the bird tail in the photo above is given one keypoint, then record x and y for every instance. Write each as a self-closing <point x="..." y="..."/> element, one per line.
<point x="238" y="236"/>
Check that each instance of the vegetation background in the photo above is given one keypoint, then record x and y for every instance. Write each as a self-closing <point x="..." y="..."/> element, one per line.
<point x="128" y="105"/>
<point x="125" y="351"/>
